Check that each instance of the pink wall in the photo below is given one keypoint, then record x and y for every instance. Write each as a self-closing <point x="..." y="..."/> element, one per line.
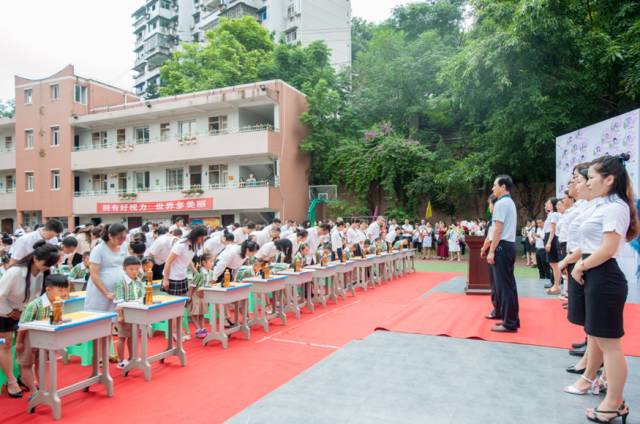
<point x="40" y="116"/>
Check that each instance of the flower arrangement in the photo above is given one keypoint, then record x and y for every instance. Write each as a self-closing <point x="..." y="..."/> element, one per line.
<point x="193" y="192"/>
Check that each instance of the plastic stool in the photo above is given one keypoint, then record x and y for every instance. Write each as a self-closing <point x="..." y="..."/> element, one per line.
<point x="85" y="351"/>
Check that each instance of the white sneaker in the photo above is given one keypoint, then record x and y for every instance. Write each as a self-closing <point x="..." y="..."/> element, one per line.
<point x="122" y="364"/>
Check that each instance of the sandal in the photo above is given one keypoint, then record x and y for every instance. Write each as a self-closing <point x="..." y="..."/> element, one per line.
<point x="622" y="411"/>
<point x="553" y="292"/>
<point x="597" y="385"/>
<point x="14" y="395"/>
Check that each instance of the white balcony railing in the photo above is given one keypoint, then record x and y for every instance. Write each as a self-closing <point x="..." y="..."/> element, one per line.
<point x="185" y="190"/>
<point x="181" y="139"/>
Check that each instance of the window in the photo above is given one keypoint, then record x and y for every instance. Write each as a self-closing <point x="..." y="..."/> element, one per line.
<point x="55" y="91"/>
<point x="121" y="137"/>
<point x="262" y="15"/>
<point x="122" y="182"/>
<point x="291" y="36"/>
<point x="218" y="175"/>
<point x="29" y="181"/>
<point x="55" y="179"/>
<point x="8" y="143"/>
<point x="174" y="179"/>
<point x="187" y="129"/>
<point x="217" y="124"/>
<point x="291" y="11"/>
<point x="99" y="140"/>
<point x="55" y="136"/>
<point x="28" y="96"/>
<point x="28" y="139"/>
<point x="165" y="4"/>
<point x="10" y="184"/>
<point x="99" y="183"/>
<point x="141" y="180"/>
<point x="165" y="131"/>
<point x="142" y="135"/>
<point x="80" y="94"/>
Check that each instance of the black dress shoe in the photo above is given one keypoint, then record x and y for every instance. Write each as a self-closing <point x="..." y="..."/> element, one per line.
<point x="573" y="370"/>
<point x="578" y="352"/>
<point x="578" y="345"/>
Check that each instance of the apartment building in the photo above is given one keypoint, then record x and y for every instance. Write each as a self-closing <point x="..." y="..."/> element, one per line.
<point x="82" y="151"/>
<point x="159" y="26"/>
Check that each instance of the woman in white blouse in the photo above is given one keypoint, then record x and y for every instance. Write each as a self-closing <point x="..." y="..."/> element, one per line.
<point x="551" y="245"/>
<point x="605" y="286"/>
<point x="232" y="258"/>
<point x="20" y="285"/>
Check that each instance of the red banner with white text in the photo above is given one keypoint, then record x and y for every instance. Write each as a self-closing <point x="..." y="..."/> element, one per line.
<point x="184" y="205"/>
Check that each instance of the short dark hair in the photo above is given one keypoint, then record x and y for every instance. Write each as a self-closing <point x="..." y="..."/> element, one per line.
<point x="162" y="230"/>
<point x="56" y="280"/>
<point x="506" y="181"/>
<point x="54" y="225"/>
<point x="70" y="242"/>
<point x="131" y="260"/>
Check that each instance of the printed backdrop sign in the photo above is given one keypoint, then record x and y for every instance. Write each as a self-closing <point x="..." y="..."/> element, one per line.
<point x="184" y="205"/>
<point x="612" y="137"/>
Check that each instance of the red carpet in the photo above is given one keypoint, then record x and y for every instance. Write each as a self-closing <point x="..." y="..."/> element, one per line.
<point x="218" y="383"/>
<point x="544" y="321"/>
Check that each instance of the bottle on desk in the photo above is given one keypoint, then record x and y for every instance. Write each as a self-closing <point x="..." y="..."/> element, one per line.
<point x="344" y="257"/>
<point x="297" y="265"/>
<point x="227" y="279"/>
<point x="389" y="247"/>
<point x="148" y="294"/>
<point x="58" y="310"/>
<point x="148" y="272"/>
<point x="325" y="259"/>
<point x="378" y="251"/>
<point x="266" y="271"/>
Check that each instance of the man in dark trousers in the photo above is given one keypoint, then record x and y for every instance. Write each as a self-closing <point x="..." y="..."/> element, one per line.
<point x="502" y="254"/>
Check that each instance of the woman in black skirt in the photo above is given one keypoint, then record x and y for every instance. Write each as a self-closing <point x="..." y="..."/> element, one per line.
<point x="582" y="209"/>
<point x="551" y="245"/>
<point x="605" y="285"/>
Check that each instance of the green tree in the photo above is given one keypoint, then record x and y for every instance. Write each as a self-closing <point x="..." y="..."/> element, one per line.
<point x="361" y="34"/>
<point x="8" y="108"/>
<point x="235" y="50"/>
<point x="152" y="91"/>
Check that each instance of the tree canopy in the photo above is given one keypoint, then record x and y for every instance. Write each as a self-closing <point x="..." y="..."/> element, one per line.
<point x="441" y="96"/>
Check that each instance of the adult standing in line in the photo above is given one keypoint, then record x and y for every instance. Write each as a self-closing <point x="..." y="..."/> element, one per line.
<point x="605" y="285"/>
<point x="544" y="272"/>
<point x="551" y="245"/>
<point x="495" y="299"/>
<point x="105" y="265"/>
<point x="502" y="254"/>
<point x="19" y="285"/>
<point x="24" y="245"/>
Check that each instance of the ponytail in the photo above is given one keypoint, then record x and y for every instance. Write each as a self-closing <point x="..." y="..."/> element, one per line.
<point x="622" y="187"/>
<point x="42" y="251"/>
<point x="248" y="245"/>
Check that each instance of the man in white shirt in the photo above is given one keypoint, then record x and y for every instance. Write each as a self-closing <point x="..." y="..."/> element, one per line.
<point x="373" y="232"/>
<point x="160" y="249"/>
<point x="23" y="246"/>
<point x="315" y="237"/>
<point x="299" y="237"/>
<point x="352" y="232"/>
<point x="337" y="240"/>
<point x="502" y="254"/>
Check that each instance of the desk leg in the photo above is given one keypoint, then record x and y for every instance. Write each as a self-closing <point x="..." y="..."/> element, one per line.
<point x="332" y="281"/>
<point x="180" y="353"/>
<point x="221" y="322"/>
<point x="245" y="318"/>
<point x="145" y="366"/>
<point x="309" y="289"/>
<point x="283" y="305"/>
<point x="42" y="395"/>
<point x="105" y="376"/>
<point x="56" y="405"/>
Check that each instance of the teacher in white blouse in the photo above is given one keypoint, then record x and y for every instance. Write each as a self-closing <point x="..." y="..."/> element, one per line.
<point x="18" y="286"/>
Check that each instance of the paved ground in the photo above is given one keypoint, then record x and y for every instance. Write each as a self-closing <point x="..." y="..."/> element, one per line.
<point x="404" y="378"/>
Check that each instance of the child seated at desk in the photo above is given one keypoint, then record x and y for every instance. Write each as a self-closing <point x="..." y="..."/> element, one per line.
<point x="129" y="289"/>
<point x="197" y="307"/>
<point x="81" y="270"/>
<point x="56" y="285"/>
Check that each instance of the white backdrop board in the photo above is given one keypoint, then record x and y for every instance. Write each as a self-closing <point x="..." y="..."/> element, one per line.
<point x="613" y="136"/>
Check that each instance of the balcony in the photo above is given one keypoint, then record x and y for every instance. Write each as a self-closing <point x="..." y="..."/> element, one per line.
<point x="8" y="199"/>
<point x="139" y="64"/>
<point x="157" y="48"/>
<point x="7" y="159"/>
<point x="233" y="196"/>
<point x="211" y="4"/>
<point x="248" y="141"/>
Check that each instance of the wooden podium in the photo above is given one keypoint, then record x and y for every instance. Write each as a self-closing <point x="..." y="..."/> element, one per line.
<point x="478" y="281"/>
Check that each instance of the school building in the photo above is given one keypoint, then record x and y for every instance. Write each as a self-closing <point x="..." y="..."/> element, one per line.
<point x="83" y="151"/>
